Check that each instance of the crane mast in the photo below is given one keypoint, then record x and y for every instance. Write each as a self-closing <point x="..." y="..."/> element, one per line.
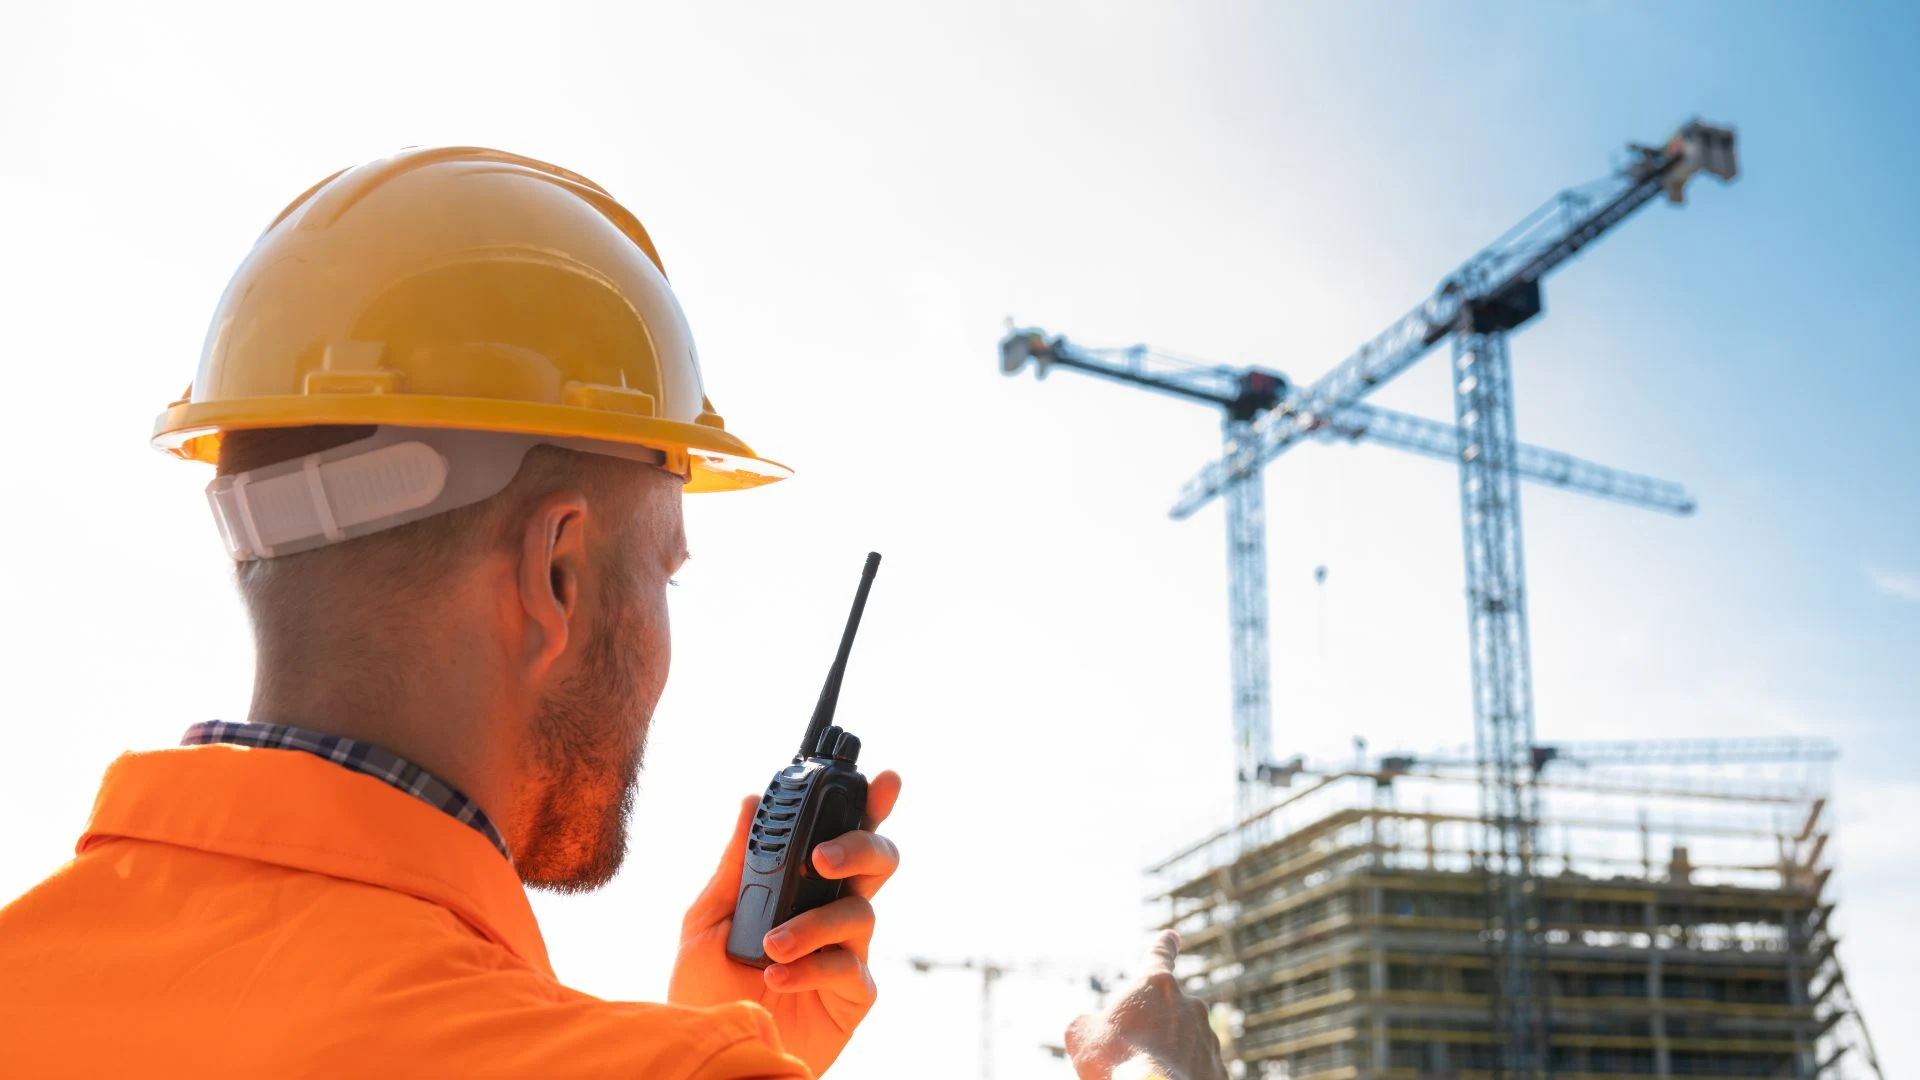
<point x="1499" y="655"/>
<point x="1250" y="648"/>
<point x="1242" y="395"/>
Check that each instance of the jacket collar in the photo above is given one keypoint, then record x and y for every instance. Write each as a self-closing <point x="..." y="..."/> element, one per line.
<point x="297" y="810"/>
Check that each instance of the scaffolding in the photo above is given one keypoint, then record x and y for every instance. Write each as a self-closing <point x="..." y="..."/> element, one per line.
<point x="1685" y="923"/>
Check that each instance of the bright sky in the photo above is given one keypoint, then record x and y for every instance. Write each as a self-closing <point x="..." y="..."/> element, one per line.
<point x="850" y="204"/>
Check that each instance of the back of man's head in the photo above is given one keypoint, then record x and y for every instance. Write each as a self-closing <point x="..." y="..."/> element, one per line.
<point x="400" y="570"/>
<point x="517" y="644"/>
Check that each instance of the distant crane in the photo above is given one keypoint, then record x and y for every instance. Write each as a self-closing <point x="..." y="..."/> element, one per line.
<point x="991" y="972"/>
<point x="1492" y="294"/>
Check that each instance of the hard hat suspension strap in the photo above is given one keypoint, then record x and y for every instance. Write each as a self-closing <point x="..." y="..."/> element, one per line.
<point x="396" y="476"/>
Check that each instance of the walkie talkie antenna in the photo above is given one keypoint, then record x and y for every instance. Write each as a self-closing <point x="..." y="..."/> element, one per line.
<point x="830" y="693"/>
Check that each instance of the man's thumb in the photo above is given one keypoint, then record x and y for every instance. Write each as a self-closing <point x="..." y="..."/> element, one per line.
<point x="716" y="901"/>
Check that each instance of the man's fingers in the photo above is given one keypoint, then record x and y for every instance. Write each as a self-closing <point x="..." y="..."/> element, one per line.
<point x="866" y="857"/>
<point x="882" y="792"/>
<point x="837" y="971"/>
<point x="1161" y="955"/>
<point x="847" y="921"/>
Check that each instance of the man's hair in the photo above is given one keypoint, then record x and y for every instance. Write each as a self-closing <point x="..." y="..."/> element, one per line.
<point x="407" y="561"/>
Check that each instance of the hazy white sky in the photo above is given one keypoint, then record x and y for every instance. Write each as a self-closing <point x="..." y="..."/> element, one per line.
<point x="850" y="202"/>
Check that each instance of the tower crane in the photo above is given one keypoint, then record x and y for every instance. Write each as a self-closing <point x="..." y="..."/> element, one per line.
<point x="1493" y="293"/>
<point x="991" y="972"/>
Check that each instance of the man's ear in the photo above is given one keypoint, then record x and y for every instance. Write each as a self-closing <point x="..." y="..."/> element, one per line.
<point x="553" y="558"/>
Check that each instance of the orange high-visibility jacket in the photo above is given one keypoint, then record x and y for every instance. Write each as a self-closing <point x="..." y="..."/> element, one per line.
<point x="242" y="912"/>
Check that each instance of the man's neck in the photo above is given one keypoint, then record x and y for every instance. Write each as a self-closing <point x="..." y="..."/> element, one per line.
<point x="445" y="726"/>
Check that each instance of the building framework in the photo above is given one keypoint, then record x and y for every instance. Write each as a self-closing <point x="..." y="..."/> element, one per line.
<point x="1684" y="927"/>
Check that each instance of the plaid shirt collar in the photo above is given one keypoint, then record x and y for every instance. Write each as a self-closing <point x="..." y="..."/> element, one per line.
<point x="361" y="757"/>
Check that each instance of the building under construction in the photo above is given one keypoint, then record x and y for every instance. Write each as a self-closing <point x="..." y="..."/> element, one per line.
<point x="1684" y="925"/>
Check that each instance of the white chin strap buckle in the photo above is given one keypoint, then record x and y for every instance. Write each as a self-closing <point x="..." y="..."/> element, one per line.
<point x="393" y="477"/>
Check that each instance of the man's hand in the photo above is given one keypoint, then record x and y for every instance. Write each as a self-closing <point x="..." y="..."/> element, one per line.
<point x="1154" y="1030"/>
<point x="820" y="988"/>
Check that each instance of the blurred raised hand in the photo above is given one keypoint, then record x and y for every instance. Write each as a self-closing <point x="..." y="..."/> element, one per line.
<point x="1153" y="1031"/>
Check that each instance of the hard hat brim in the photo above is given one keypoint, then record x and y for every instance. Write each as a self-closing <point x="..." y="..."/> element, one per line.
<point x="712" y="459"/>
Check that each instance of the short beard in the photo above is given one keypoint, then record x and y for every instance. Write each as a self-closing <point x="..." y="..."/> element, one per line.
<point x="587" y="766"/>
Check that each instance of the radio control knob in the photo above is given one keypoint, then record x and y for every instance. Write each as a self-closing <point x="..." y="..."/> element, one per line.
<point x="847" y="748"/>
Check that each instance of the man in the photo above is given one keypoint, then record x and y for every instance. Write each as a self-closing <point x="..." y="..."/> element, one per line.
<point x="452" y="406"/>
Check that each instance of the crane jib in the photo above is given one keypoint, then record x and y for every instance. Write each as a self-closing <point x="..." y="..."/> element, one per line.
<point x="1468" y="302"/>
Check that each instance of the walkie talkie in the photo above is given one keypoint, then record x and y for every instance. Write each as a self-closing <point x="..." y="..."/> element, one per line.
<point x="818" y="797"/>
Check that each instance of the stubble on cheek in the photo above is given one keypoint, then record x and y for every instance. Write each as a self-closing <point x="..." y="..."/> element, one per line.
<point x="590" y="744"/>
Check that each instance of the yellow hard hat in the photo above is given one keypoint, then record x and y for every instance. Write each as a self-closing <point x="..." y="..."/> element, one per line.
<point x="460" y="288"/>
